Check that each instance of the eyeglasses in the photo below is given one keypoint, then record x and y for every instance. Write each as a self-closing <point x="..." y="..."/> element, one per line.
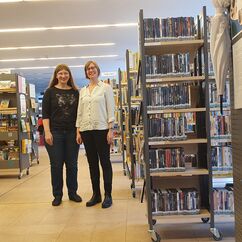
<point x="91" y="68"/>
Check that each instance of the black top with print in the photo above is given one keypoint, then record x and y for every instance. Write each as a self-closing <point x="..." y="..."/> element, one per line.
<point x="60" y="107"/>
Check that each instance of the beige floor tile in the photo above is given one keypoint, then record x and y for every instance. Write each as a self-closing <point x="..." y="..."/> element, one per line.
<point x="26" y="214"/>
<point x="109" y="232"/>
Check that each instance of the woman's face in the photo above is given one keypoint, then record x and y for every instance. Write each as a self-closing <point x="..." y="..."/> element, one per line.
<point x="63" y="76"/>
<point x="92" y="71"/>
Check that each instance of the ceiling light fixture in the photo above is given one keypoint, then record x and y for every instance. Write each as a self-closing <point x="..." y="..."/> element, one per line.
<point x="10" y="1"/>
<point x="69" y="27"/>
<point x="40" y="67"/>
<point x="58" y="58"/>
<point x="55" y="46"/>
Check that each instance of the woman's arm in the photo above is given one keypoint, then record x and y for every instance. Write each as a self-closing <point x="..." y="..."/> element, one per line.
<point x="48" y="135"/>
<point x="78" y="121"/>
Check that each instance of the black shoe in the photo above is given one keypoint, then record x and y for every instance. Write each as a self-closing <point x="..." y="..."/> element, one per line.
<point x="94" y="200"/>
<point x="75" y="198"/>
<point x="107" y="202"/>
<point x="57" y="201"/>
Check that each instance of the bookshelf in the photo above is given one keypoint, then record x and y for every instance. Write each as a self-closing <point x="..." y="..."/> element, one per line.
<point x="134" y="125"/>
<point x="32" y="118"/>
<point x="176" y="119"/>
<point x="121" y="119"/>
<point x="14" y="140"/>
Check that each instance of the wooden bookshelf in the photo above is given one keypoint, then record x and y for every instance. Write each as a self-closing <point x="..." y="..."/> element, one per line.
<point x="7" y="90"/>
<point x="7" y="135"/>
<point x="158" y="80"/>
<point x="187" y="172"/>
<point x="178" y="142"/>
<point x="204" y="213"/>
<point x="9" y="164"/>
<point x="172" y="47"/>
<point x="181" y="110"/>
<point x="8" y="110"/>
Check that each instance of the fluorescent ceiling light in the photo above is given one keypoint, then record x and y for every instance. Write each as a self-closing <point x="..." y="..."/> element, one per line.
<point x="59" y="58"/>
<point x="69" y="27"/>
<point x="40" y="67"/>
<point x="55" y="46"/>
<point x="10" y="1"/>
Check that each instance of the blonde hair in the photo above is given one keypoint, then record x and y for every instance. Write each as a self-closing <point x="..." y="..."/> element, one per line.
<point x="88" y="64"/>
<point x="54" y="80"/>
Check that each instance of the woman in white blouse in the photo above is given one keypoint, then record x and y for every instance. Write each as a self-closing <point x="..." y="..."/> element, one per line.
<point x="94" y="124"/>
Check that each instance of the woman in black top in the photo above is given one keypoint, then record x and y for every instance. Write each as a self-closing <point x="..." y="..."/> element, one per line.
<point x="59" y="110"/>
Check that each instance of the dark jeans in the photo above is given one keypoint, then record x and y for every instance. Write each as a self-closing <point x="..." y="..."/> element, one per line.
<point x="97" y="147"/>
<point x="64" y="150"/>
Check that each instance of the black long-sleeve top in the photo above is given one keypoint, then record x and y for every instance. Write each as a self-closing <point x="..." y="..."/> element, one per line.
<point x="60" y="107"/>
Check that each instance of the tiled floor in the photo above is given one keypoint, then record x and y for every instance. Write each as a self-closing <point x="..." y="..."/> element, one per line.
<point x="26" y="213"/>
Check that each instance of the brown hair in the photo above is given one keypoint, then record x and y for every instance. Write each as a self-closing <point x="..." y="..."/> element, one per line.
<point x="88" y="64"/>
<point x="54" y="80"/>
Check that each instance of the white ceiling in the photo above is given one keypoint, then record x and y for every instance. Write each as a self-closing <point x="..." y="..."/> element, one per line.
<point x="75" y="13"/>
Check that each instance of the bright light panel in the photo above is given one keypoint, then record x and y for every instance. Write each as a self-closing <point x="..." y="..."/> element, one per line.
<point x="54" y="46"/>
<point x="59" y="58"/>
<point x="69" y="27"/>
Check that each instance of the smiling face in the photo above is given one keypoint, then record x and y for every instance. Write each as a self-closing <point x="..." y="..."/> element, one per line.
<point x="63" y="77"/>
<point x="92" y="70"/>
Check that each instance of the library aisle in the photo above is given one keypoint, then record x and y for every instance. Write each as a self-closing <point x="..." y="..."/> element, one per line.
<point x="26" y="213"/>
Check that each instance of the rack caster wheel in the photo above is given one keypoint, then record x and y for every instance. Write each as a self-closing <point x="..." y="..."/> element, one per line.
<point x="19" y="177"/>
<point x="205" y="220"/>
<point x="125" y="173"/>
<point x="217" y="235"/>
<point x="133" y="194"/>
<point x="38" y="162"/>
<point x="157" y="238"/>
<point x="27" y="172"/>
<point x="154" y="221"/>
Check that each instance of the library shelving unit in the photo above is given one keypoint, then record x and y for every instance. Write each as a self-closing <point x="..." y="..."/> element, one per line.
<point x="33" y="134"/>
<point x="116" y="148"/>
<point x="14" y="141"/>
<point x="134" y="126"/>
<point x="176" y="119"/>
<point x="121" y="120"/>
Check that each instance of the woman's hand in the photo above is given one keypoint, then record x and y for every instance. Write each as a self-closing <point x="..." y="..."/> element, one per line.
<point x="110" y="136"/>
<point x="48" y="138"/>
<point x="78" y="138"/>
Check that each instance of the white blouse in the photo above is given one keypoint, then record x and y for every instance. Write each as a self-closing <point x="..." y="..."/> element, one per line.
<point x="95" y="109"/>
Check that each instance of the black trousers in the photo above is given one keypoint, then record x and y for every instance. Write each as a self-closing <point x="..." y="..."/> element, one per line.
<point x="97" y="148"/>
<point x="64" y="150"/>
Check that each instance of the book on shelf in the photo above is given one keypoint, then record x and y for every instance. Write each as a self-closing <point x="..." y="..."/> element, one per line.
<point x="170" y="126"/>
<point x="21" y="84"/>
<point x="167" y="159"/>
<point x="221" y="158"/>
<point x="158" y="29"/>
<point x="172" y="96"/>
<point x="175" y="201"/>
<point x="27" y="127"/>
<point x="224" y="200"/>
<point x="167" y="65"/>
<point x="23" y="125"/>
<point x="33" y="120"/>
<point x="220" y="124"/>
<point x="4" y="103"/>
<point x="214" y="98"/>
<point x="33" y="103"/>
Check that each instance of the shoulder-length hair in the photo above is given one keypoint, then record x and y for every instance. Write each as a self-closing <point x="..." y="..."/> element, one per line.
<point x="88" y="64"/>
<point x="54" y="80"/>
